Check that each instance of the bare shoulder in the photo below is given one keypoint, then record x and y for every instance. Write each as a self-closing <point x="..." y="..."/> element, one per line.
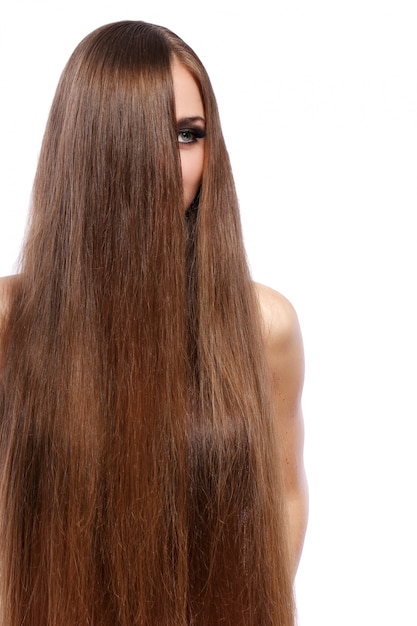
<point x="282" y="335"/>
<point x="7" y="287"/>
<point x="280" y="321"/>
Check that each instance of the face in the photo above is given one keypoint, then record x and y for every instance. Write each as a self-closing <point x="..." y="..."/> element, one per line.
<point x="191" y="130"/>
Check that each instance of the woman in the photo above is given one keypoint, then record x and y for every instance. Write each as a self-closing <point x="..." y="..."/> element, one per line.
<point x="151" y="429"/>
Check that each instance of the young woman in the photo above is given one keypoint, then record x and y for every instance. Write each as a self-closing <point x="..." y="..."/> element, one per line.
<point x="151" y="433"/>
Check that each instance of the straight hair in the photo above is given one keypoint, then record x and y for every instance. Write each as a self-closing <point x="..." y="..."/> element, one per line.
<point x="140" y="473"/>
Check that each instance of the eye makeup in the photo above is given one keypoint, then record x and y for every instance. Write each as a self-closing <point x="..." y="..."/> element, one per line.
<point x="190" y="130"/>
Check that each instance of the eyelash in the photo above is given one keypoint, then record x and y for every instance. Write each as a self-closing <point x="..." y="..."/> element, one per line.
<point x="195" y="133"/>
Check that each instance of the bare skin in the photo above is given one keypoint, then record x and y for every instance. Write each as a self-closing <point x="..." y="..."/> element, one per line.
<point x="285" y="355"/>
<point x="284" y="349"/>
<point x="6" y="291"/>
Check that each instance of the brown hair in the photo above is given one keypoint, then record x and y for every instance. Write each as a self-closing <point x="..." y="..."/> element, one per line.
<point x="139" y="470"/>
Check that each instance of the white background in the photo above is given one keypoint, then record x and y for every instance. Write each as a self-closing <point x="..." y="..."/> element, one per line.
<point x="319" y="108"/>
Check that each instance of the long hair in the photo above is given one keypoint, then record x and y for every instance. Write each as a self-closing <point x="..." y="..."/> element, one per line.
<point x="140" y="480"/>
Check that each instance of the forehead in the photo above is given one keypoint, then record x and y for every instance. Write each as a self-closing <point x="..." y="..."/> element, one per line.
<point x="188" y="102"/>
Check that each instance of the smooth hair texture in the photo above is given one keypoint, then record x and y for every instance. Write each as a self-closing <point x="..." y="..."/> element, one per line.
<point x="140" y="478"/>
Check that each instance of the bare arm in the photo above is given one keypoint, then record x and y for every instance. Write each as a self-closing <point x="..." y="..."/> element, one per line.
<point x="7" y="284"/>
<point x="285" y="356"/>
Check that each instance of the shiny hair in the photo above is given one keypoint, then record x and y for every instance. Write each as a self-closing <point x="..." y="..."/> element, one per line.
<point x="140" y="478"/>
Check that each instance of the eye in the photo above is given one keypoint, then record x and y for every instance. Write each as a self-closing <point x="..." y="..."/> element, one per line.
<point x="190" y="135"/>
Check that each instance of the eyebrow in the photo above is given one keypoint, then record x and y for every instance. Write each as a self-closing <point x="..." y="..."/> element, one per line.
<point x="184" y="121"/>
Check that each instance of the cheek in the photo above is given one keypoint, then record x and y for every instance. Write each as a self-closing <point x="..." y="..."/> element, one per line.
<point x="192" y="171"/>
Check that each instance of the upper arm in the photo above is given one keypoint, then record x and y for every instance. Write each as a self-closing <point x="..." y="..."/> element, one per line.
<point x="285" y="356"/>
<point x="3" y="298"/>
<point x="7" y="284"/>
